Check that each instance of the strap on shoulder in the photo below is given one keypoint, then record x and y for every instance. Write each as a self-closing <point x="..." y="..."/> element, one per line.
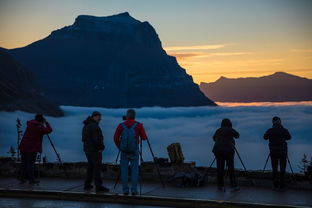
<point x="134" y="125"/>
<point x="124" y="126"/>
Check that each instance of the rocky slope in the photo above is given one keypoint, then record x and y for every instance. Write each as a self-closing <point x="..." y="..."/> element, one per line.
<point x="19" y="90"/>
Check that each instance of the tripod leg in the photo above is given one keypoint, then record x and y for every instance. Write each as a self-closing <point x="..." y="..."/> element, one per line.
<point x="117" y="179"/>
<point x="214" y="160"/>
<point x="266" y="162"/>
<point x="117" y="157"/>
<point x="240" y="159"/>
<point x="39" y="158"/>
<point x="206" y="172"/>
<point x="141" y="157"/>
<point x="140" y="170"/>
<point x="290" y="165"/>
<point x="157" y="167"/>
<point x="119" y="172"/>
<point x="251" y="180"/>
<point x="293" y="177"/>
<point x="58" y="156"/>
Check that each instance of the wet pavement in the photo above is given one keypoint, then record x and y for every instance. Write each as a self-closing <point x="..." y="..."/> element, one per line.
<point x="39" y="203"/>
<point x="247" y="194"/>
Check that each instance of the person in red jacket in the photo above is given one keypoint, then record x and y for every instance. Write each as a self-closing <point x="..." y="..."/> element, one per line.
<point x="129" y="157"/>
<point x="31" y="144"/>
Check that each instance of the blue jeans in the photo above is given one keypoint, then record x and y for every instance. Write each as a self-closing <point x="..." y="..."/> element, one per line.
<point x="133" y="159"/>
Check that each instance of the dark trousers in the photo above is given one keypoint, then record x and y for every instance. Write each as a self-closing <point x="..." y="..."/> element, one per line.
<point x="281" y="159"/>
<point x="221" y="158"/>
<point x="94" y="168"/>
<point x="28" y="160"/>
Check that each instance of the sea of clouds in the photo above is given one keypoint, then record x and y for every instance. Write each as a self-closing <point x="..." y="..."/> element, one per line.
<point x="193" y="127"/>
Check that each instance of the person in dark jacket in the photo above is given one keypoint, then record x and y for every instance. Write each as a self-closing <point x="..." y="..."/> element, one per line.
<point x="277" y="136"/>
<point x="223" y="150"/>
<point x="93" y="147"/>
<point x="30" y="145"/>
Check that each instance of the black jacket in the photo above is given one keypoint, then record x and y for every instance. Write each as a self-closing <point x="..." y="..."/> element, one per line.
<point x="224" y="139"/>
<point x="92" y="136"/>
<point x="277" y="136"/>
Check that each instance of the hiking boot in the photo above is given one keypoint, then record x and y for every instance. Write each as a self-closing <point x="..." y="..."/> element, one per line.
<point x="282" y="187"/>
<point x="88" y="187"/>
<point x="221" y="188"/>
<point x="21" y="180"/>
<point x="34" y="182"/>
<point x="101" y="189"/>
<point x="235" y="189"/>
<point x="275" y="188"/>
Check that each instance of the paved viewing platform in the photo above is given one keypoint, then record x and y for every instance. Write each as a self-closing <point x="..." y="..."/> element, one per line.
<point x="57" y="192"/>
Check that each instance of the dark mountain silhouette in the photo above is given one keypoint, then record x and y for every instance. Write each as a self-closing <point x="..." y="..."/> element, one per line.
<point x="114" y="61"/>
<point x="278" y="87"/>
<point x="19" y="90"/>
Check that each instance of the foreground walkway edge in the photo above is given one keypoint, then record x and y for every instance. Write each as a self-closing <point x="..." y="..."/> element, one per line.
<point x="135" y="200"/>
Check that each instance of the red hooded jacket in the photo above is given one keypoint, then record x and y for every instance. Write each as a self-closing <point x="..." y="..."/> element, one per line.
<point x="32" y="139"/>
<point x="139" y="130"/>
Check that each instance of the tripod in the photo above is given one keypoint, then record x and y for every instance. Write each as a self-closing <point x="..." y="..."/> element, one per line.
<point x="58" y="156"/>
<point x="266" y="162"/>
<point x="141" y="161"/>
<point x="202" y="180"/>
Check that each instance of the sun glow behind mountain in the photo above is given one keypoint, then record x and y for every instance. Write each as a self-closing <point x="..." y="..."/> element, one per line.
<point x="209" y="38"/>
<point x="207" y="63"/>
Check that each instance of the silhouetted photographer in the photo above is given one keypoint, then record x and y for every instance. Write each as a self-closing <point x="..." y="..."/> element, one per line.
<point x="277" y="136"/>
<point x="93" y="147"/>
<point x="224" y="151"/>
<point x="30" y="145"/>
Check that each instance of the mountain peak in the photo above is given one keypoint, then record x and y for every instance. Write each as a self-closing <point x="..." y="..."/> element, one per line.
<point x="282" y="74"/>
<point x="222" y="78"/>
<point x="124" y="18"/>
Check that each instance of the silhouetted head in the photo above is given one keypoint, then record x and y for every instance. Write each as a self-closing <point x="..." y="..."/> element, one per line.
<point x="40" y="118"/>
<point x="97" y="116"/>
<point x="276" y="121"/>
<point x="131" y="114"/>
<point x="226" y="123"/>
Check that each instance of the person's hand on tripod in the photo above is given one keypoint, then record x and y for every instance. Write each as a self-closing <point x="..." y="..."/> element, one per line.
<point x="46" y="123"/>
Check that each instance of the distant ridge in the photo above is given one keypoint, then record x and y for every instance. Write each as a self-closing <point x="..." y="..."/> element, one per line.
<point x="114" y="61"/>
<point x="278" y="87"/>
<point x="20" y="91"/>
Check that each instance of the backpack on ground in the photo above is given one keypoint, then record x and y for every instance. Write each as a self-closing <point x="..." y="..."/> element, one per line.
<point x="129" y="142"/>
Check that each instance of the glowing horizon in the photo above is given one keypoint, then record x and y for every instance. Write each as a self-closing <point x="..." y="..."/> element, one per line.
<point x="209" y="39"/>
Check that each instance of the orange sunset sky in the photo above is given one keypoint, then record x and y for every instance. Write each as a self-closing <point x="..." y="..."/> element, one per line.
<point x="210" y="39"/>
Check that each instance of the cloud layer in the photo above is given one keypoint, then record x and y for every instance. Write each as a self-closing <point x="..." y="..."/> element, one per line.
<point x="193" y="127"/>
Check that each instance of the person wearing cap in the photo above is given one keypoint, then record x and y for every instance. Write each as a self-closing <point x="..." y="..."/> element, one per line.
<point x="277" y="136"/>
<point x="30" y="145"/>
<point x="93" y="147"/>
